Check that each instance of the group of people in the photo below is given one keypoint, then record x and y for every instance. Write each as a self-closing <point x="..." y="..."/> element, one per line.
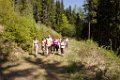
<point x="50" y="45"/>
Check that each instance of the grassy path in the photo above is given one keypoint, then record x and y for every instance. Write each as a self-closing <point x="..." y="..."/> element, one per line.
<point x="52" y="67"/>
<point x="79" y="63"/>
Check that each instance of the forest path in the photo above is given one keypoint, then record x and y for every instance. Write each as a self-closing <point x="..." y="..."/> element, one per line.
<point x="80" y="62"/>
<point x="52" y="67"/>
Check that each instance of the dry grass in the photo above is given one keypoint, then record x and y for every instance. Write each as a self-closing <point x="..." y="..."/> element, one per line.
<point x="1" y="28"/>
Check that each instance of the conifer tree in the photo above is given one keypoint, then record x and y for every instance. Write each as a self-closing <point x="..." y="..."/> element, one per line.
<point x="58" y="16"/>
<point x="24" y="7"/>
<point x="37" y="10"/>
<point x="105" y="21"/>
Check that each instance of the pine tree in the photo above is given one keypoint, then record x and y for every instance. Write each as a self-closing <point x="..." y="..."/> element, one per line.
<point x="108" y="17"/>
<point x="64" y="24"/>
<point x="58" y="15"/>
<point x="37" y="10"/>
<point x="24" y="7"/>
<point x="82" y="14"/>
<point x="78" y="27"/>
<point x="62" y="6"/>
<point x="48" y="12"/>
<point x="51" y="13"/>
<point x="105" y="21"/>
<point x="6" y="11"/>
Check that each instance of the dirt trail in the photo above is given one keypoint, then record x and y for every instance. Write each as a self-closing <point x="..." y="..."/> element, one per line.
<point x="78" y="63"/>
<point x="42" y="67"/>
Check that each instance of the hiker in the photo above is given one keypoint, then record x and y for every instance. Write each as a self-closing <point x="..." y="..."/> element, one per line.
<point x="35" y="45"/>
<point x="48" y="44"/>
<point x="59" y="42"/>
<point x="66" y="41"/>
<point x="43" y="45"/>
<point x="62" y="46"/>
<point x="55" y="45"/>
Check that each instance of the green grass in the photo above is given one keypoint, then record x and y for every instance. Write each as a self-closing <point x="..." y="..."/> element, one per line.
<point x="89" y="54"/>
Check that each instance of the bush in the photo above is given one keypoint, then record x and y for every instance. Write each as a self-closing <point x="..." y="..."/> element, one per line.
<point x="6" y="11"/>
<point x="6" y="48"/>
<point x="69" y="31"/>
<point x="18" y="29"/>
<point x="44" y="31"/>
<point x="21" y="30"/>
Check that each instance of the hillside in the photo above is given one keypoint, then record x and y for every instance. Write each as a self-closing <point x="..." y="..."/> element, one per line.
<point x="83" y="60"/>
<point x="22" y="20"/>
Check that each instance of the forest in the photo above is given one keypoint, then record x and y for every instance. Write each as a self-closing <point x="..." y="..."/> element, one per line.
<point x="95" y="27"/>
<point x="97" y="20"/>
<point x="103" y="17"/>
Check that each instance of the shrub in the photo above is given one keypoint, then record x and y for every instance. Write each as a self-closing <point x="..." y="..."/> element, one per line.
<point x="69" y="31"/>
<point x="21" y="30"/>
<point x="44" y="31"/>
<point x="6" y="48"/>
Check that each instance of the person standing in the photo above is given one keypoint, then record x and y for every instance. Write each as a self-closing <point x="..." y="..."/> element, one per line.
<point x="48" y="44"/>
<point x="62" y="46"/>
<point x="66" y="40"/>
<point x="56" y="45"/>
<point x="35" y="45"/>
<point x="43" y="45"/>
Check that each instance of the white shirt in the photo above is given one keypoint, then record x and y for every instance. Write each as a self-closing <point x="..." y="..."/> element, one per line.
<point x="62" y="44"/>
<point x="35" y="43"/>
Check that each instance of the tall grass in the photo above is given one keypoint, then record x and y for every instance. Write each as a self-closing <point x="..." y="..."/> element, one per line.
<point x="90" y="54"/>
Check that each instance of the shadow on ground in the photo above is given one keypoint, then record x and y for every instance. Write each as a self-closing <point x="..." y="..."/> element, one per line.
<point x="54" y="71"/>
<point x="17" y="74"/>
